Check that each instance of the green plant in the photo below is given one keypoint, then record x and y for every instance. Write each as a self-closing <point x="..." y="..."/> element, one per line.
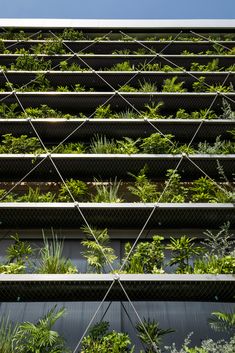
<point x="174" y="191"/>
<point x="157" y="143"/>
<point x="222" y="321"/>
<point x="27" y="62"/>
<point x="49" y="47"/>
<point x="219" y="147"/>
<point x="7" y="333"/>
<point x="128" y="88"/>
<point x="75" y="147"/>
<point x="103" y="112"/>
<point x="100" y="144"/>
<point x="22" y="144"/>
<point x="227" y="112"/>
<point x="35" y="195"/>
<point x="19" y="251"/>
<point x="127" y="145"/>
<point x="221" y="243"/>
<point x="102" y="341"/>
<point x="211" y="66"/>
<point x="107" y="191"/>
<point x="98" y="252"/>
<point x="144" y="189"/>
<point x="147" y="257"/>
<point x="39" y="337"/>
<point x="205" y="190"/>
<point x="151" y="335"/>
<point x="65" y="66"/>
<point x="182" y="250"/>
<point x="76" y="187"/>
<point x="147" y="87"/>
<point x="170" y="85"/>
<point x="123" y="66"/>
<point x="207" y="346"/>
<point x="201" y="86"/>
<point x="51" y="258"/>
<point x="72" y="34"/>
<point x="201" y="114"/>
<point x="8" y="111"/>
<point x="153" y="110"/>
<point x="215" y="265"/>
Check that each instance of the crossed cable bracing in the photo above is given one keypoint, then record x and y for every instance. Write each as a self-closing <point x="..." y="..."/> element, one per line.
<point x="48" y="155"/>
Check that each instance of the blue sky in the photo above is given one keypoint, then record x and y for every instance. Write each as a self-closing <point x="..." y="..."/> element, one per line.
<point x="151" y="9"/>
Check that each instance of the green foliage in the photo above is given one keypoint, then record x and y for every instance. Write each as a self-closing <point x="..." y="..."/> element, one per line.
<point x="123" y="66"/>
<point x="49" y="47"/>
<point x="215" y="265"/>
<point x="222" y="321"/>
<point x="153" y="110"/>
<point x="143" y="188"/>
<point x="27" y="62"/>
<point x="39" y="337"/>
<point x="51" y="258"/>
<point x="201" y="86"/>
<point x="72" y="34"/>
<point x="211" y="66"/>
<point x="151" y="335"/>
<point x="205" y="190"/>
<point x="227" y="112"/>
<point x="182" y="250"/>
<point x="73" y="147"/>
<point x="207" y="346"/>
<point x="102" y="341"/>
<point x="35" y="195"/>
<point x="147" y="257"/>
<point x="100" y="144"/>
<point x="128" y="88"/>
<point x="147" y="87"/>
<point x="76" y="187"/>
<point x="174" y="191"/>
<point x="201" y="114"/>
<point x="170" y="85"/>
<point x="221" y="243"/>
<point x="98" y="253"/>
<point x="107" y="191"/>
<point x="22" y="144"/>
<point x="157" y="143"/>
<point x="65" y="66"/>
<point x="8" y="111"/>
<point x="7" y="332"/>
<point x="103" y="112"/>
<point x="219" y="147"/>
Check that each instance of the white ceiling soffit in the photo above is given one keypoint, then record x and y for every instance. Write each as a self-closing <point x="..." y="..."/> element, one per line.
<point x="105" y="23"/>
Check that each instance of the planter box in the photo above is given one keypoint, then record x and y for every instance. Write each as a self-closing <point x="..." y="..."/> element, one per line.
<point x="93" y="287"/>
<point x="88" y="166"/>
<point x="108" y="46"/>
<point x="119" y="215"/>
<point x="108" y="60"/>
<point x="55" y="130"/>
<point x="116" y="79"/>
<point x="88" y="101"/>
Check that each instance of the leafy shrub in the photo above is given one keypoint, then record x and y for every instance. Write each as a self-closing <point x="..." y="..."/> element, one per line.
<point x="147" y="257"/>
<point x="215" y="265"/>
<point x="143" y="188"/>
<point x="77" y="188"/>
<point x="174" y="191"/>
<point x="170" y="85"/>
<point x="157" y="143"/>
<point x="183" y="249"/>
<point x="35" y="195"/>
<point x="98" y="253"/>
<point x="7" y="332"/>
<point x="103" y="112"/>
<point x="22" y="144"/>
<point x="102" y="341"/>
<point x="123" y="66"/>
<point x="39" y="337"/>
